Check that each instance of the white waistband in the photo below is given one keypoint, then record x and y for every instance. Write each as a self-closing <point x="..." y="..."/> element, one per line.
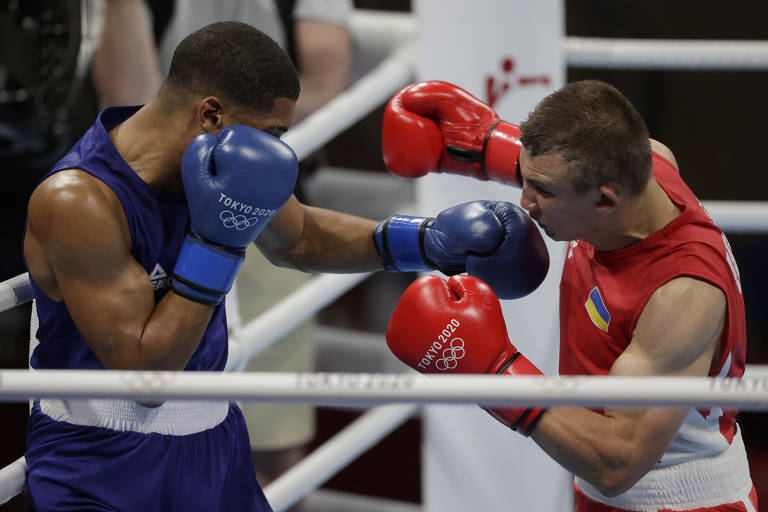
<point x="698" y="483"/>
<point x="178" y="418"/>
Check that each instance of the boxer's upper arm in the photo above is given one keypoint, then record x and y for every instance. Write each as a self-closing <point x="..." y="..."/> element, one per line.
<point x="677" y="334"/>
<point x="77" y="225"/>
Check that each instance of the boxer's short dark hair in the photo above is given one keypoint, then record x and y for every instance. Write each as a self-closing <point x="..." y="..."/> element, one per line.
<point x="597" y="130"/>
<point x="236" y="61"/>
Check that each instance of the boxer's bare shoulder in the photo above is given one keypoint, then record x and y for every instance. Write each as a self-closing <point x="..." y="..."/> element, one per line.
<point x="661" y="149"/>
<point x="69" y="212"/>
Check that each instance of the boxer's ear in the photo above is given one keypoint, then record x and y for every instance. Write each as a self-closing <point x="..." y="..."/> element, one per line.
<point x="209" y="114"/>
<point x="611" y="194"/>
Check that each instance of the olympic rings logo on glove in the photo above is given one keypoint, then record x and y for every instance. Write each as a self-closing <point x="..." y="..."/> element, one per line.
<point x="239" y="222"/>
<point x="451" y="355"/>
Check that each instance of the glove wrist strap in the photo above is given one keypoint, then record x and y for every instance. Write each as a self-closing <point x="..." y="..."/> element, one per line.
<point x="521" y="419"/>
<point x="502" y="152"/>
<point x="204" y="271"/>
<point x="399" y="241"/>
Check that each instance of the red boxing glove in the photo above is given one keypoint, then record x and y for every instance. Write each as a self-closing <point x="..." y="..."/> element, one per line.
<point x="439" y="127"/>
<point x="456" y="326"/>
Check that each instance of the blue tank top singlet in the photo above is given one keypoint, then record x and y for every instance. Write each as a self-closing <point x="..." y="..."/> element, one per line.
<point x="116" y="454"/>
<point x="158" y="222"/>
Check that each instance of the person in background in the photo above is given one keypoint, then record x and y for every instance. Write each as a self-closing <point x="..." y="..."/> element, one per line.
<point x="126" y="68"/>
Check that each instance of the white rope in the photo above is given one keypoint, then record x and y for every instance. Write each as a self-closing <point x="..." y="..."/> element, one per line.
<point x="608" y="53"/>
<point x="369" y="389"/>
<point x="756" y="370"/>
<point x="592" y="52"/>
<point x="12" y="479"/>
<point x="336" y="453"/>
<point x="748" y="393"/>
<point x="283" y="317"/>
<point x="378" y="32"/>
<point x="15" y="291"/>
<point x="739" y="216"/>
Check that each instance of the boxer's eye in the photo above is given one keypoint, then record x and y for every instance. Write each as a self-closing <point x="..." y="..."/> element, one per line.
<point x="538" y="188"/>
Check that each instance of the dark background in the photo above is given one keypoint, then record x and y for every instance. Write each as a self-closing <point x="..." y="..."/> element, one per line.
<point x="713" y="121"/>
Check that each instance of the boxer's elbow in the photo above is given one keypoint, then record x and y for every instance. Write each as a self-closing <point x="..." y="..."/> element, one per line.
<point x="286" y="257"/>
<point x="166" y="349"/>
<point x="614" y="484"/>
<point x="622" y="466"/>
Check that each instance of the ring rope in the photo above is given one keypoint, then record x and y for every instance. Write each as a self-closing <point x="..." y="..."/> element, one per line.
<point x="335" y="454"/>
<point x="739" y="216"/>
<point x="599" y="52"/>
<point x="657" y="54"/>
<point x="15" y="291"/>
<point x="369" y="389"/>
<point x="282" y="318"/>
<point x="12" y="479"/>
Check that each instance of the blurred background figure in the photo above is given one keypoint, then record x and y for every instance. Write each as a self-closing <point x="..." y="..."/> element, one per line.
<point x="61" y="61"/>
<point x="126" y="70"/>
<point x="314" y="33"/>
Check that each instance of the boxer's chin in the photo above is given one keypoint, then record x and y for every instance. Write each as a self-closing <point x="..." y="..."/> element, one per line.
<point x="548" y="231"/>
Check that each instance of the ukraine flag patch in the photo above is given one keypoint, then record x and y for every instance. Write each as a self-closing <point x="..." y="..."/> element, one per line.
<point x="597" y="311"/>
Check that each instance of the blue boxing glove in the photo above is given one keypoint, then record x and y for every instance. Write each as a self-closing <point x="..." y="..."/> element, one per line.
<point x="235" y="182"/>
<point x="495" y="241"/>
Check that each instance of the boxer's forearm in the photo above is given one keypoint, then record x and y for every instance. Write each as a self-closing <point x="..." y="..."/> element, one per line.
<point x="320" y="240"/>
<point x="169" y="338"/>
<point x="611" y="451"/>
